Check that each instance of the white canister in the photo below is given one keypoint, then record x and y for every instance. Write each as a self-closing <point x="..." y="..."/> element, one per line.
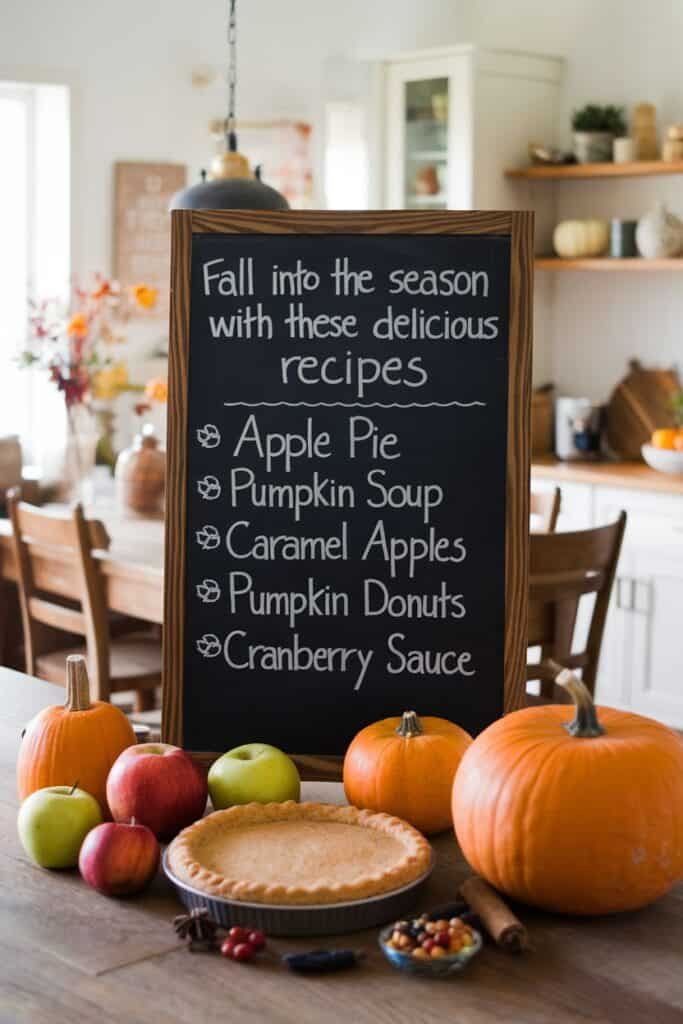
<point x="567" y="410"/>
<point x="624" y="150"/>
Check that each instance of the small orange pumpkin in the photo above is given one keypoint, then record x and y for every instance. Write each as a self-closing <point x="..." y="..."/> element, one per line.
<point x="405" y="766"/>
<point x="579" y="817"/>
<point x="76" y="743"/>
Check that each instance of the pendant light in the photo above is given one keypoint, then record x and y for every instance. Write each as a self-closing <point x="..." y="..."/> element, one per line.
<point x="231" y="184"/>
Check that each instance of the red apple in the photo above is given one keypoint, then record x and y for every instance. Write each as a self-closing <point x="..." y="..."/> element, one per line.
<point x="159" y="785"/>
<point x="118" y="859"/>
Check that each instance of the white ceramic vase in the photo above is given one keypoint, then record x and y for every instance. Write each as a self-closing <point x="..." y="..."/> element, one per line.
<point x="659" y="234"/>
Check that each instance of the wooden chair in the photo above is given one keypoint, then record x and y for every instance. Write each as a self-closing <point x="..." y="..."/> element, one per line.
<point x="546" y="506"/>
<point x="563" y="568"/>
<point x="118" y="659"/>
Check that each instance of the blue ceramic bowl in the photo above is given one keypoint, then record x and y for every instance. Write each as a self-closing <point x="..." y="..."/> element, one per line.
<point x="441" y="967"/>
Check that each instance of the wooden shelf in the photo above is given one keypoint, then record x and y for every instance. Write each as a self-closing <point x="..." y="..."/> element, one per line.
<point x="568" y="172"/>
<point x="606" y="264"/>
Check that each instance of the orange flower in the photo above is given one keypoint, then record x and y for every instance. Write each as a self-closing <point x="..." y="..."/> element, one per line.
<point x="102" y="290"/>
<point x="144" y="295"/>
<point x="156" y="389"/>
<point x="78" y="326"/>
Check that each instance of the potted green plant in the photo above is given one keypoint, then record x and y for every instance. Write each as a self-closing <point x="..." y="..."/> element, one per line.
<point x="595" y="129"/>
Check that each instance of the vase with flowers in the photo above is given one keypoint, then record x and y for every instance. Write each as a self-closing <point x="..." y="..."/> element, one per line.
<point x="79" y="348"/>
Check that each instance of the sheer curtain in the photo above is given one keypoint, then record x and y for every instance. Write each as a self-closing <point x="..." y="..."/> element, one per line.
<point x="34" y="256"/>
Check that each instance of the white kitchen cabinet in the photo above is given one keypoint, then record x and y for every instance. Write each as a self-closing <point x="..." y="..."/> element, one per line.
<point x="641" y="663"/>
<point x="456" y="117"/>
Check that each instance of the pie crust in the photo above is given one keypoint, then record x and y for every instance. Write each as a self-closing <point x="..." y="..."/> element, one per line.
<point x="298" y="854"/>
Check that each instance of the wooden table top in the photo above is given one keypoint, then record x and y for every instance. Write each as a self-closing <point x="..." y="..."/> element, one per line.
<point x="69" y="954"/>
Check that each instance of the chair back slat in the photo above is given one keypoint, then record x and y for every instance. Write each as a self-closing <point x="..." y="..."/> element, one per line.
<point x="68" y="620"/>
<point x="55" y="530"/>
<point x="564" y="567"/>
<point x="545" y="505"/>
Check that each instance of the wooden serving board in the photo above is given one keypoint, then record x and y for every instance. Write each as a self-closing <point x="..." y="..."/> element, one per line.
<point x="639" y="404"/>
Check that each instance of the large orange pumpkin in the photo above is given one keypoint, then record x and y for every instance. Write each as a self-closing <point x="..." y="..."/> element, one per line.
<point x="405" y="766"/>
<point x="581" y="816"/>
<point x="74" y="743"/>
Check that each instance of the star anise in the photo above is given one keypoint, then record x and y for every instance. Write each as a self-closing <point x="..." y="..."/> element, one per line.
<point x="198" y="930"/>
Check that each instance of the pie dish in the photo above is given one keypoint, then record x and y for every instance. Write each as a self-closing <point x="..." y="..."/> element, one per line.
<point x="294" y="854"/>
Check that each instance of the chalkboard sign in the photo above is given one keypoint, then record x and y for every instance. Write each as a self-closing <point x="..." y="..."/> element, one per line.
<point x="347" y="476"/>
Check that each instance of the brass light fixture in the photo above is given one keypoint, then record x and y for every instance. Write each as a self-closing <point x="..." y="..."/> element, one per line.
<point x="231" y="183"/>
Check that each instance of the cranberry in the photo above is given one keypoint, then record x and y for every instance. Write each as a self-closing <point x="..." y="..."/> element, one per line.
<point x="257" y="940"/>
<point x="243" y="952"/>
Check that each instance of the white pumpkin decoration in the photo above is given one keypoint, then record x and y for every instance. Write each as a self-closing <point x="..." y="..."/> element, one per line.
<point x="574" y="239"/>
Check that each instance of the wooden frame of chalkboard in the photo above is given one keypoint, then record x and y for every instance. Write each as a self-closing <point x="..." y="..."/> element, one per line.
<point x="517" y="228"/>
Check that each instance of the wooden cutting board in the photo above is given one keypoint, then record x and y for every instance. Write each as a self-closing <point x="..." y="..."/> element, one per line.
<point x="639" y="404"/>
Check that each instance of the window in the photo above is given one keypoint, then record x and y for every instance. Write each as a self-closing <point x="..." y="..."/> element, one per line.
<point x="34" y="254"/>
<point x="346" y="160"/>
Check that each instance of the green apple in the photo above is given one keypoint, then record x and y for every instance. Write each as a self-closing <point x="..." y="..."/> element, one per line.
<point x="53" y="822"/>
<point x="255" y="771"/>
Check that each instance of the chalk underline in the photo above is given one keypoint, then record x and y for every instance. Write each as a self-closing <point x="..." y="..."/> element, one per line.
<point x="356" y="405"/>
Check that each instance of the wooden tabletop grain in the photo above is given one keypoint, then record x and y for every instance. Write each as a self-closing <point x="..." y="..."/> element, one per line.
<point x="68" y="954"/>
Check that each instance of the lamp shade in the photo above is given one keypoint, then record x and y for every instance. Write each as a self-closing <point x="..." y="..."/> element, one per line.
<point x="232" y="186"/>
<point x="229" y="194"/>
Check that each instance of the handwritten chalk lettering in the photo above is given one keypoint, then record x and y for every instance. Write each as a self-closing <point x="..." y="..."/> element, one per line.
<point x="351" y="282"/>
<point x="321" y="492"/>
<point x="360" y="372"/>
<point x="413" y="550"/>
<point x="313" y="602"/>
<point x="303" y="327"/>
<point x="378" y="600"/>
<point x="426" y="663"/>
<point x="242" y="655"/>
<point x="273" y="446"/>
<point x="418" y="325"/>
<point x="229" y="282"/>
<point x="423" y="496"/>
<point x="244" y="324"/>
<point x="439" y="282"/>
<point x="286" y="547"/>
<point x="364" y="436"/>
<point x="294" y="282"/>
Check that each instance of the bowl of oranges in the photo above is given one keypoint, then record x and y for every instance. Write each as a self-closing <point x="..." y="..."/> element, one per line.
<point x="665" y="450"/>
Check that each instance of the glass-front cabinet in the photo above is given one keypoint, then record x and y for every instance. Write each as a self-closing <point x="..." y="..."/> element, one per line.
<point x="425" y="128"/>
<point x="455" y="117"/>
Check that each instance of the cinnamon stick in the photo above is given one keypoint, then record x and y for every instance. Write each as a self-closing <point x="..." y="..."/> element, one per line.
<point x="504" y="928"/>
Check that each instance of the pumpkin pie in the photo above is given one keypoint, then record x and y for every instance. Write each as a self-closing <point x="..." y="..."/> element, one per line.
<point x="291" y="853"/>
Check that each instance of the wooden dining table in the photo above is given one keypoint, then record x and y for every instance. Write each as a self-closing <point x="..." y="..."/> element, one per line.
<point x="69" y="954"/>
<point x="132" y="567"/>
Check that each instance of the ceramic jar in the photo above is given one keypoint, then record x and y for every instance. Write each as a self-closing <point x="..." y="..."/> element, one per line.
<point x="141" y="475"/>
<point x="592" y="147"/>
<point x="659" y="234"/>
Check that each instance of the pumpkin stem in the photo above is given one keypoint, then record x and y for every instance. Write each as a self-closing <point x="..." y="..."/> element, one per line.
<point x="77" y="685"/>
<point x="409" y="725"/>
<point x="585" y="723"/>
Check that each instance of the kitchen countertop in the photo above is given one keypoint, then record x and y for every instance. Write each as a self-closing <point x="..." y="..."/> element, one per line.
<point x="635" y="475"/>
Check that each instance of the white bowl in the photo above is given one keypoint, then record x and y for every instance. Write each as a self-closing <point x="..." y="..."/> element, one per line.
<point x="663" y="459"/>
